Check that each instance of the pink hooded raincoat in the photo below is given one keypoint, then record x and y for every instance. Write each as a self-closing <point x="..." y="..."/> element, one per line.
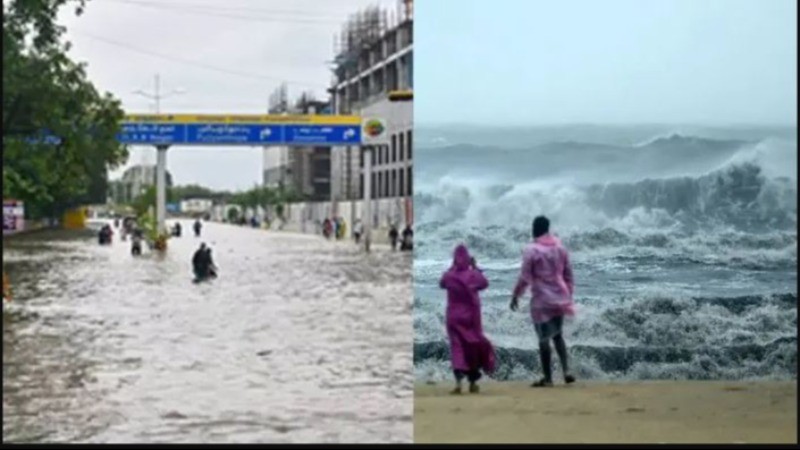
<point x="469" y="349"/>
<point x="546" y="269"/>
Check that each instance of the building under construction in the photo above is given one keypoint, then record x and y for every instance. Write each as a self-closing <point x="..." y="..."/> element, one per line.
<point x="374" y="60"/>
<point x="304" y="170"/>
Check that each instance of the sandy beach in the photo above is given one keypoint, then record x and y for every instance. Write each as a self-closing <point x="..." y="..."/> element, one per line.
<point x="605" y="412"/>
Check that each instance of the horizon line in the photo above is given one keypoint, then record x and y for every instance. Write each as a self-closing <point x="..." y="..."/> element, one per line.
<point x="600" y="124"/>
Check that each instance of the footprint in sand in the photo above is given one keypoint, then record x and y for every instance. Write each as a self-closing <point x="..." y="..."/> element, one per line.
<point x="734" y="388"/>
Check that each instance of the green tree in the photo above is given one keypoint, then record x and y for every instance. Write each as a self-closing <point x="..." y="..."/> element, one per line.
<point x="142" y="203"/>
<point x="45" y="93"/>
<point x="191" y="191"/>
<point x="233" y="215"/>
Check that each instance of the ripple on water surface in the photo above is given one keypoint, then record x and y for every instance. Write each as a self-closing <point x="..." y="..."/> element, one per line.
<point x="299" y="340"/>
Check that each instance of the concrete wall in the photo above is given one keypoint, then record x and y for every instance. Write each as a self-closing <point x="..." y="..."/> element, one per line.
<point x="308" y="217"/>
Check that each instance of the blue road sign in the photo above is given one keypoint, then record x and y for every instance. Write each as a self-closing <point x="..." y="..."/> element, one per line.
<point x="152" y="133"/>
<point x="233" y="133"/>
<point x="239" y="134"/>
<point x="316" y="134"/>
<point x="249" y="130"/>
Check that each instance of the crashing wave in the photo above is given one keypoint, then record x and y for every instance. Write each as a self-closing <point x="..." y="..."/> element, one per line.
<point x="744" y="194"/>
<point x="660" y="338"/>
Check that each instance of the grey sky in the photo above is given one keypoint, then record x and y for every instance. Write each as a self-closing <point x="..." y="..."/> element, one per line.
<point x="523" y="62"/>
<point x="268" y="40"/>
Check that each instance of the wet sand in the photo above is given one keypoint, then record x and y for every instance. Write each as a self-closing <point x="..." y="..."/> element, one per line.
<point x="604" y="412"/>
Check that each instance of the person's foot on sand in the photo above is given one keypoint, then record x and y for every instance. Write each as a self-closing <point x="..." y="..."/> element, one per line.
<point x="543" y="383"/>
<point x="456" y="391"/>
<point x="474" y="388"/>
<point x="569" y="379"/>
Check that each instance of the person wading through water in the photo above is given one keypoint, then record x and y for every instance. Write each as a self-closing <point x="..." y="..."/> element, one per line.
<point x="408" y="239"/>
<point x="136" y="242"/>
<point x="547" y="271"/>
<point x="394" y="235"/>
<point x="211" y="269"/>
<point x="470" y="350"/>
<point x="198" y="226"/>
<point x="201" y="263"/>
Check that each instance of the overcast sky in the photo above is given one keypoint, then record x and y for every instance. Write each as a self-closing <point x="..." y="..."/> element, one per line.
<point x="254" y="44"/>
<point x="522" y="62"/>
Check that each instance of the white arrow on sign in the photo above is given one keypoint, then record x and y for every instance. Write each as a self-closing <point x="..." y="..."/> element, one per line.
<point x="349" y="133"/>
<point x="265" y="133"/>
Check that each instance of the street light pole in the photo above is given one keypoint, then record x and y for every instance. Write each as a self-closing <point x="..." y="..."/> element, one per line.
<point x="161" y="158"/>
<point x="157" y="96"/>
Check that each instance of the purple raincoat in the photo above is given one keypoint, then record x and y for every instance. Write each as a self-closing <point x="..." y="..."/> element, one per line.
<point x="469" y="349"/>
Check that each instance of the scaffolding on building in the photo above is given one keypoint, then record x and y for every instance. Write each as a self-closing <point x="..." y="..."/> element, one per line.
<point x="279" y="100"/>
<point x="366" y="38"/>
<point x="364" y="28"/>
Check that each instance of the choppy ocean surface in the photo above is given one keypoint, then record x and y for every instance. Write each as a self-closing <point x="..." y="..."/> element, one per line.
<point x="683" y="243"/>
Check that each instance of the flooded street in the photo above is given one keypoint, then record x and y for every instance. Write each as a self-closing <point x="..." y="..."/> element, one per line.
<point x="298" y="340"/>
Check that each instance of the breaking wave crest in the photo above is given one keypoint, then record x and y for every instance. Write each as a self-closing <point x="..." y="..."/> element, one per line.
<point x="679" y="244"/>
<point x="658" y="338"/>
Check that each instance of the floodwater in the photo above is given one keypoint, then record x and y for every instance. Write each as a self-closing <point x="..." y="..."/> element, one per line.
<point x="299" y="340"/>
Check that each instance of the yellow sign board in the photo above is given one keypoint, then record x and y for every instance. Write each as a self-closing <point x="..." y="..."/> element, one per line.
<point x="243" y="118"/>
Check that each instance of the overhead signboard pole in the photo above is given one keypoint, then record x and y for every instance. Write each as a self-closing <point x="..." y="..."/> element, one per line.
<point x="161" y="188"/>
<point x="374" y="136"/>
<point x="367" y="197"/>
<point x="161" y="155"/>
<point x="165" y="130"/>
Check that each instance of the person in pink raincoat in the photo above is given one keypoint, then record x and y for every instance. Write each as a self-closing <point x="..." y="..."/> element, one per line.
<point x="547" y="271"/>
<point x="470" y="351"/>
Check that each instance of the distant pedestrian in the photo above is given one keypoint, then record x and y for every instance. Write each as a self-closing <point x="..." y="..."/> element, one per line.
<point x="408" y="239"/>
<point x="176" y="229"/>
<point x="197" y="228"/>
<point x="394" y="235"/>
<point x="358" y="229"/>
<point x="327" y="228"/>
<point x="136" y="242"/>
<point x="342" y="228"/>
